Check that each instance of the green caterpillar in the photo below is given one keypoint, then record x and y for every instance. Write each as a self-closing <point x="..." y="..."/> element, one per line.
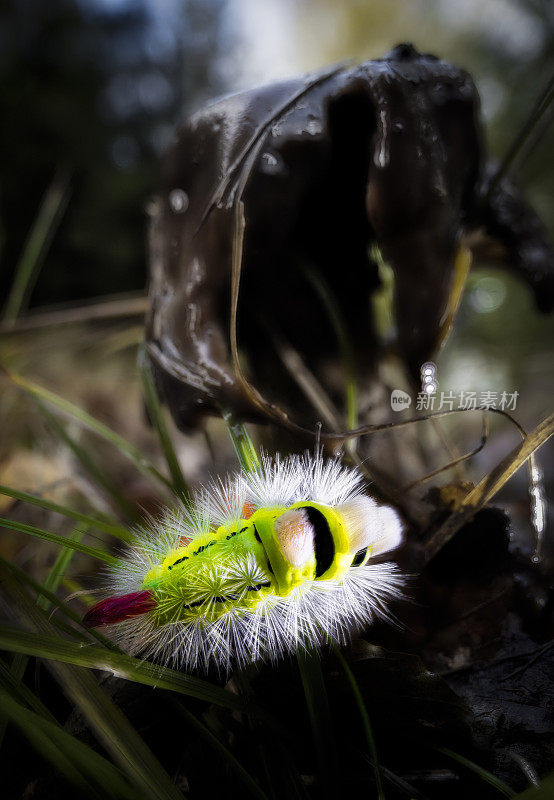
<point x="263" y="564"/>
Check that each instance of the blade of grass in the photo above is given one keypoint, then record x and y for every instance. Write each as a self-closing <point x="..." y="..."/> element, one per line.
<point x="41" y="738"/>
<point x="59" y="567"/>
<point x="365" y="722"/>
<point x="53" y="599"/>
<point x="488" y="487"/>
<point x="95" y="522"/>
<point x="136" y="456"/>
<point x="346" y="350"/>
<point x="250" y="784"/>
<point x="22" y="693"/>
<point x="244" y="448"/>
<point x="320" y="719"/>
<point x="42" y="232"/>
<point x="484" y="774"/>
<point x="121" y="665"/>
<point x="93" y="552"/>
<point x="539" y="109"/>
<point x="19" y="663"/>
<point x="156" y="415"/>
<point x="75" y="588"/>
<point x="97" y="776"/>
<point x="102" y="308"/>
<point x="95" y="472"/>
<point x="108" y="723"/>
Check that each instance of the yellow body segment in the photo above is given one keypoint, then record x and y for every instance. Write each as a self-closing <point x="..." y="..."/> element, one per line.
<point x="197" y="579"/>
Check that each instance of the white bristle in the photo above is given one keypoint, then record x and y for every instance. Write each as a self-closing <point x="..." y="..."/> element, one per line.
<point x="371" y="525"/>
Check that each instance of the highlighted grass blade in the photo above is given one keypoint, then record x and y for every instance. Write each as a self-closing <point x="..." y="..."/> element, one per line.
<point x="366" y="723"/>
<point x="124" y="666"/>
<point x="94" y="522"/>
<point x="90" y="772"/>
<point x="138" y="458"/>
<point x="483" y="773"/>
<point x="244" y="447"/>
<point x="95" y="472"/>
<point x="543" y="792"/>
<point x="157" y="417"/>
<point x="110" y="726"/>
<point x="93" y="552"/>
<point x="28" y="267"/>
<point x="321" y="721"/>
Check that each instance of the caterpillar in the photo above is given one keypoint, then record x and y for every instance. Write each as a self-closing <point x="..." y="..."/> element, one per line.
<point x="260" y="565"/>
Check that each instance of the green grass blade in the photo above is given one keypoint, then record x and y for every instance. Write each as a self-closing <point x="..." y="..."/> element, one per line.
<point x="42" y="232"/>
<point x="29" y="713"/>
<point x="93" y="552"/>
<point x="94" y="522"/>
<point x="346" y="350"/>
<point x="40" y="735"/>
<point x="16" y="689"/>
<point x="250" y="784"/>
<point x="110" y="726"/>
<point x="52" y="599"/>
<point x="124" y="666"/>
<point x="365" y="722"/>
<point x="244" y="447"/>
<point x="155" y="411"/>
<point x="136" y="456"/>
<point x="484" y="774"/>
<point x="95" y="472"/>
<point x="52" y="582"/>
<point x="320" y="718"/>
<point x="59" y="567"/>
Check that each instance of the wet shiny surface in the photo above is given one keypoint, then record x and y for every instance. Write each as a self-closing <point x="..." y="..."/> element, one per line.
<point x="388" y="152"/>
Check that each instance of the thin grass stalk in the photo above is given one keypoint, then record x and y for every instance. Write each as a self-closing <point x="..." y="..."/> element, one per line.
<point x="107" y="721"/>
<point x="63" y="559"/>
<point x="40" y="237"/>
<point x="320" y="718"/>
<point x="93" y="552"/>
<point x="481" y="772"/>
<point x="368" y="730"/>
<point x="94" y="522"/>
<point x="95" y="472"/>
<point x="244" y="447"/>
<point x="97" y="776"/>
<point x="252" y="787"/>
<point x="157" y="417"/>
<point x="136" y="456"/>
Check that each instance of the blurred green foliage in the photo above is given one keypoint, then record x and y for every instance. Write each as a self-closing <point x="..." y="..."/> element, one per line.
<point x="96" y="90"/>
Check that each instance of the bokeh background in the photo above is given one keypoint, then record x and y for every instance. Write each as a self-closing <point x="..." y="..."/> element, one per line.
<point x="90" y="94"/>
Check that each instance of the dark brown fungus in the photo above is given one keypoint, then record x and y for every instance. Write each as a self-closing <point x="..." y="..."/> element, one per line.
<point x="388" y="152"/>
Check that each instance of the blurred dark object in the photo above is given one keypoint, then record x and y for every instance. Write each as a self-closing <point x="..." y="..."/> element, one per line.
<point x="94" y="90"/>
<point x="389" y="152"/>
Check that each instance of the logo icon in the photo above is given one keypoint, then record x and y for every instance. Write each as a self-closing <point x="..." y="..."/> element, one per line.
<point x="399" y="400"/>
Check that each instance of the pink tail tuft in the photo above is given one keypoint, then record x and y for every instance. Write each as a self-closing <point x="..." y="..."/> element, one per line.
<point x="117" y="609"/>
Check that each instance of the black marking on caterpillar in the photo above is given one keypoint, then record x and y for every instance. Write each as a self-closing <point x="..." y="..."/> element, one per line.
<point x="179" y="560"/>
<point x="323" y="540"/>
<point x="204" y="547"/>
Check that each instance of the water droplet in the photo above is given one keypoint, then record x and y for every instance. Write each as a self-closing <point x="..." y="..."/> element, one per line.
<point x="271" y="163"/>
<point x="178" y="201"/>
<point x="313" y="126"/>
